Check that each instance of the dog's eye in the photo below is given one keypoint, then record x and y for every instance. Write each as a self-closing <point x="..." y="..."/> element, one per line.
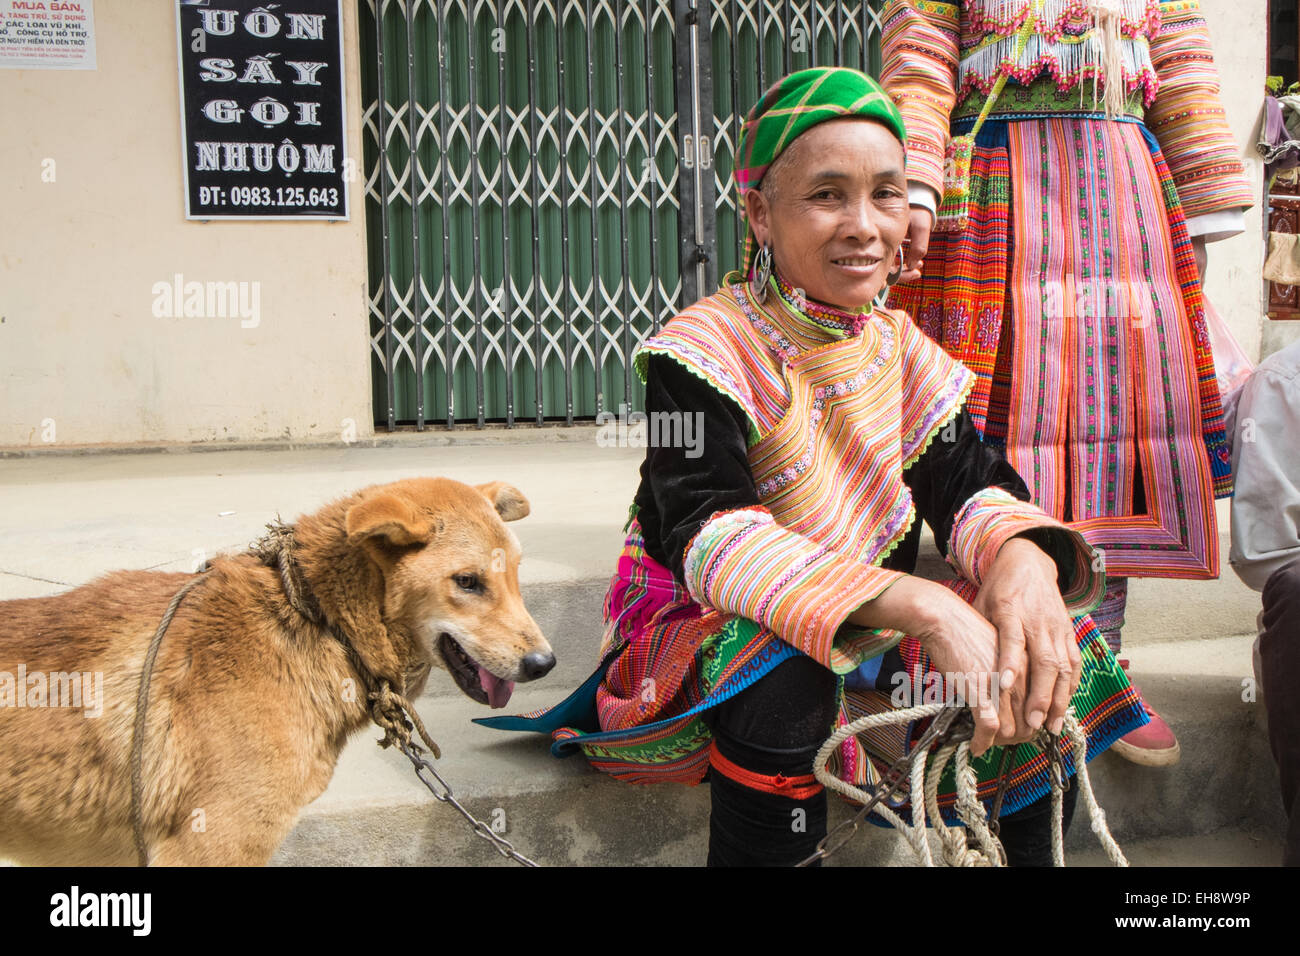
<point x="467" y="582"/>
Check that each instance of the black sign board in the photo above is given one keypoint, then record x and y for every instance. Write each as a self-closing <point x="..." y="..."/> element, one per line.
<point x="262" y="109"/>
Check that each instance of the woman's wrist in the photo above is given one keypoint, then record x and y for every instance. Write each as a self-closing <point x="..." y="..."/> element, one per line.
<point x="1023" y="549"/>
<point x="900" y="607"/>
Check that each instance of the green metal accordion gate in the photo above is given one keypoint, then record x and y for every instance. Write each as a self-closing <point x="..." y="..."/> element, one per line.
<point x="548" y="181"/>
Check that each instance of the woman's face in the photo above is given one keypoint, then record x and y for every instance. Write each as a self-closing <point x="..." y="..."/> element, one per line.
<point x="834" y="207"/>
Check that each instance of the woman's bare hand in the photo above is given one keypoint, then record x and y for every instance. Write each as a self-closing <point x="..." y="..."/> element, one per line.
<point x="1037" y="653"/>
<point x="1015" y="642"/>
<point x="920" y="221"/>
<point x="957" y="637"/>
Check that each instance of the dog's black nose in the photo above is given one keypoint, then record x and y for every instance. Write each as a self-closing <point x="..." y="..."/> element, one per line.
<point x="538" y="665"/>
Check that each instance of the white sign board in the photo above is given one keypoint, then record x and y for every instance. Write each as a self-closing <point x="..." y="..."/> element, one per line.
<point x="47" y="34"/>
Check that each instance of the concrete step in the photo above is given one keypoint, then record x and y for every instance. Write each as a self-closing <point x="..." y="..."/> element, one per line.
<point x="65" y="520"/>
<point x="561" y="812"/>
<point x="1227" y="847"/>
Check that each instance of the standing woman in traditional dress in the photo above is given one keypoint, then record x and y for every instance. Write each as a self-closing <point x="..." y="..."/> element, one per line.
<point x="1073" y="291"/>
<point x="766" y="564"/>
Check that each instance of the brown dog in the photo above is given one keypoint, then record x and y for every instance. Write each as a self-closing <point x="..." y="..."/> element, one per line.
<point x="250" y="701"/>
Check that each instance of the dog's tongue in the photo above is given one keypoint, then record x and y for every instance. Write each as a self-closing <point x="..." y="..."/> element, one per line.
<point x="498" y="690"/>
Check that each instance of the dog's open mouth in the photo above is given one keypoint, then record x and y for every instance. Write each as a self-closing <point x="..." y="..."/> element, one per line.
<point x="472" y="677"/>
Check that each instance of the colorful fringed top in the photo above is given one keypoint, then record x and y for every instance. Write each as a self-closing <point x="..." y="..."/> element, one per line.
<point x="1069" y="41"/>
<point x="835" y="415"/>
<point x="941" y="54"/>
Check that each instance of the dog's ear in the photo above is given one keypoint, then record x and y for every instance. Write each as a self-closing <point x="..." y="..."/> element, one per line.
<point x="389" y="517"/>
<point x="510" y="504"/>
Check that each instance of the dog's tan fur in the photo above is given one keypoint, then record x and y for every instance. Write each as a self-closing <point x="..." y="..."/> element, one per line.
<point x="250" y="703"/>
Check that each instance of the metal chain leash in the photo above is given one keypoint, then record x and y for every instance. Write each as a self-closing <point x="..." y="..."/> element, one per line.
<point x="941" y="730"/>
<point x="443" y="794"/>
<point x="1051" y="745"/>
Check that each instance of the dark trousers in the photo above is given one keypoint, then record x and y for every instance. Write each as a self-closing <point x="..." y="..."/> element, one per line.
<point x="1279" y="652"/>
<point x="776" y="727"/>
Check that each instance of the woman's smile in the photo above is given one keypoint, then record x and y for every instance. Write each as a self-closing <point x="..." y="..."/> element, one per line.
<point x="857" y="264"/>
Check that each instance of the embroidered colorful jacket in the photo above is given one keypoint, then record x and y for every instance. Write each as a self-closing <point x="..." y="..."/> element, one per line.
<point x="832" y="426"/>
<point x="820" y="449"/>
<point x="941" y="54"/>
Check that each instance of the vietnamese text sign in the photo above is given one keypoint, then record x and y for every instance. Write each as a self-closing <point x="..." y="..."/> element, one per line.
<point x="47" y="35"/>
<point x="262" y="109"/>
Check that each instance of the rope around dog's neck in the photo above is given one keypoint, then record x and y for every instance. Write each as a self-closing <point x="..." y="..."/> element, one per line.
<point x="924" y="776"/>
<point x="141" y="711"/>
<point x="390" y="711"/>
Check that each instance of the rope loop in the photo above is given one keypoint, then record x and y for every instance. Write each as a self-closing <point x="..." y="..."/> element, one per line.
<point x="397" y="718"/>
<point x="976" y="843"/>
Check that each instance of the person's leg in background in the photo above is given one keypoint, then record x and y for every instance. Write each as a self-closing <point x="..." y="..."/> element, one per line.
<point x="1153" y="744"/>
<point x="1279" y="651"/>
<point x="1027" y="834"/>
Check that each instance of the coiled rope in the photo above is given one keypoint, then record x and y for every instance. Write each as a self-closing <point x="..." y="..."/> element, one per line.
<point x="977" y="844"/>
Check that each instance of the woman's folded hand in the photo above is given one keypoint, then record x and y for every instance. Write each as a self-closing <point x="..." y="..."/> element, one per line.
<point x="1014" y="646"/>
<point x="1035" y="639"/>
<point x="957" y="637"/>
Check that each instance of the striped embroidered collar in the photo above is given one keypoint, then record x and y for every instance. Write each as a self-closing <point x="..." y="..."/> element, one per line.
<point x="821" y="320"/>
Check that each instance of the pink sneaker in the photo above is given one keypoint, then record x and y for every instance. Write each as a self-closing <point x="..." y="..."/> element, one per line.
<point x="1151" y="745"/>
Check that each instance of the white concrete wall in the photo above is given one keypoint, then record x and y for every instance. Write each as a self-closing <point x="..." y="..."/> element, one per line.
<point x="79" y="344"/>
<point x="1239" y="29"/>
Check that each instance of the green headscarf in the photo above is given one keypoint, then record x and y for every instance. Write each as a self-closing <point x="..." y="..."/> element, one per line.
<point x="791" y="107"/>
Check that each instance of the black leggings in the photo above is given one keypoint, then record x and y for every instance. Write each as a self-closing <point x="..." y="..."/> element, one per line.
<point x="776" y="727"/>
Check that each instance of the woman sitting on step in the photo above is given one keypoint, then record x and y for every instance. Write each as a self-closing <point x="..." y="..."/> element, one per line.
<point x="763" y="594"/>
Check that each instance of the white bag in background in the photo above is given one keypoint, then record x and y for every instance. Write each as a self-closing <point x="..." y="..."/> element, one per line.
<point x="1231" y="366"/>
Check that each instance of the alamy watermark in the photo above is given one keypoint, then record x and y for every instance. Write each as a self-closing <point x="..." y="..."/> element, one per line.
<point x="653" y="430"/>
<point x="75" y="908"/>
<point x="208" y="300"/>
<point x="83" y="689"/>
<point x="975" y="689"/>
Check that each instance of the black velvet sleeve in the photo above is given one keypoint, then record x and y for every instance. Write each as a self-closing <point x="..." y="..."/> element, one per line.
<point x="681" y="487"/>
<point x="958" y="464"/>
<point x="955" y="466"/>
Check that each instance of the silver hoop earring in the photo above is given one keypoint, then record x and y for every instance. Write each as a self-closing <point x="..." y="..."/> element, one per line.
<point x="894" y="276"/>
<point x="762" y="273"/>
